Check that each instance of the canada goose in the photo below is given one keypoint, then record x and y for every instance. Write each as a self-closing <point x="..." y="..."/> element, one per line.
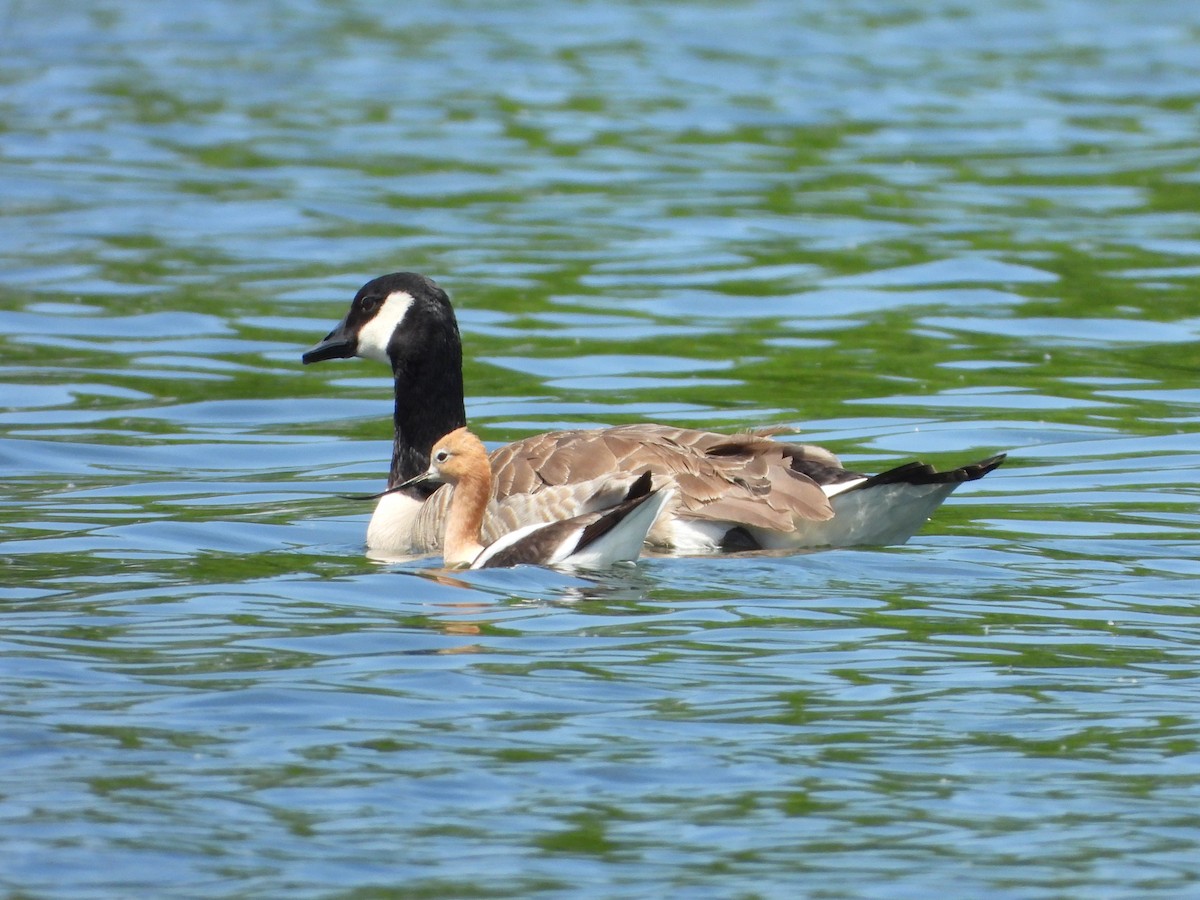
<point x="592" y="540"/>
<point x="732" y="492"/>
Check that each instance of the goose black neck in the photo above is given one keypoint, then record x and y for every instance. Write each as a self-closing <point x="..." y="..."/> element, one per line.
<point x="429" y="405"/>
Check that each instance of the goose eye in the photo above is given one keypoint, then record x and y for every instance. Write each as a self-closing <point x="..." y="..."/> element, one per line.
<point x="369" y="304"/>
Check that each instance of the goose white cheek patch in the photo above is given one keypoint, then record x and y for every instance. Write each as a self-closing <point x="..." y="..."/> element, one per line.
<point x="375" y="334"/>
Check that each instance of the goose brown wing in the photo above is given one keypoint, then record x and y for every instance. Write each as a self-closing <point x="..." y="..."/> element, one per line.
<point x="554" y="503"/>
<point x="749" y="478"/>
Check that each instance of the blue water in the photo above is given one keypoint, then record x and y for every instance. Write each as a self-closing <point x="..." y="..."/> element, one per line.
<point x="898" y="229"/>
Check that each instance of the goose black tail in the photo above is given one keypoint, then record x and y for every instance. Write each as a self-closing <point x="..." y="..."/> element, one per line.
<point x="923" y="473"/>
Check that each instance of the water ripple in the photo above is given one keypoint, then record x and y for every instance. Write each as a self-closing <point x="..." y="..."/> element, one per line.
<point x="913" y="230"/>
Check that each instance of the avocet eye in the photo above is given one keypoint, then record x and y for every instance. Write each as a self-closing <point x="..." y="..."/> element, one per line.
<point x="441" y="456"/>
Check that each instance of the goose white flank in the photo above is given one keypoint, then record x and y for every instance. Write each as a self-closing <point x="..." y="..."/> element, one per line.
<point x="592" y="540"/>
<point x="734" y="492"/>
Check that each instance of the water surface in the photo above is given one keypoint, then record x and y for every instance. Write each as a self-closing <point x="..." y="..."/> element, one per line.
<point x="897" y="229"/>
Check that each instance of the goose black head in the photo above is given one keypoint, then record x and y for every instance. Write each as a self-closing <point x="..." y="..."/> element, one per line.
<point x="394" y="319"/>
<point x="406" y="321"/>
